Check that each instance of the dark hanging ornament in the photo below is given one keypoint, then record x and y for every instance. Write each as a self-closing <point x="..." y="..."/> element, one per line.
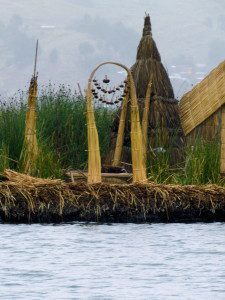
<point x="117" y="101"/>
<point x="94" y="80"/>
<point x="93" y="91"/>
<point x="120" y="99"/>
<point x="106" y="79"/>
<point x="100" y="99"/>
<point x="98" y="87"/>
<point x="118" y="89"/>
<point x="96" y="84"/>
<point x="121" y="85"/>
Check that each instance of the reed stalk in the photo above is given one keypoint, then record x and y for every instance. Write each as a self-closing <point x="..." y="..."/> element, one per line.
<point x="145" y="118"/>
<point x="120" y="135"/>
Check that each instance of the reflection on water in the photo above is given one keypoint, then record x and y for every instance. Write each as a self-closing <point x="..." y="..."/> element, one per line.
<point x="88" y="261"/>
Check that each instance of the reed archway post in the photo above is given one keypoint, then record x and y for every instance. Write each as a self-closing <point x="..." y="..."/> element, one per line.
<point x="120" y="135"/>
<point x="137" y="151"/>
<point x="145" y="118"/>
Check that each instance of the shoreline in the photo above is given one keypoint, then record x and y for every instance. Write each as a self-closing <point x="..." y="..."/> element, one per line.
<point x="25" y="199"/>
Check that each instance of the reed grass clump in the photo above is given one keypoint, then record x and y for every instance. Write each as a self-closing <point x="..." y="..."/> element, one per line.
<point x="62" y="138"/>
<point x="61" y="130"/>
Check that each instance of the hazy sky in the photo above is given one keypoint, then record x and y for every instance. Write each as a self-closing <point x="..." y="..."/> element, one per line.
<point x="75" y="35"/>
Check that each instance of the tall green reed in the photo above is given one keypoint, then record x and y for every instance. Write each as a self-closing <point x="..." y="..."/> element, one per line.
<point x="61" y="130"/>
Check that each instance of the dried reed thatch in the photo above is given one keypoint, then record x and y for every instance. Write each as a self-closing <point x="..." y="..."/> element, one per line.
<point x="29" y="152"/>
<point x="138" y="161"/>
<point x="203" y="100"/>
<point x="148" y="63"/>
<point x="164" y="128"/>
<point x="29" y="199"/>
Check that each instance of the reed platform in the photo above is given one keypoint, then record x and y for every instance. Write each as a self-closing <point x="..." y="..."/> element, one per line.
<point x="24" y="199"/>
<point x="76" y="176"/>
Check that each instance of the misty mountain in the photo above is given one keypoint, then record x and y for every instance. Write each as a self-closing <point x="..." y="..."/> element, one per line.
<point x="75" y="35"/>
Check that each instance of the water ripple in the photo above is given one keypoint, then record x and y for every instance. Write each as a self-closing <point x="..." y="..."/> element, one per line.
<point x="121" y="261"/>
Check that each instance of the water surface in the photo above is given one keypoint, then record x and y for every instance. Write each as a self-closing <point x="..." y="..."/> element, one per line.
<point x="123" y="261"/>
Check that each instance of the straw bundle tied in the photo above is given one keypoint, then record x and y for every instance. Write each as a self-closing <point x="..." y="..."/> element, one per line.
<point x="145" y="118"/>
<point x="203" y="100"/>
<point x="29" y="152"/>
<point x="94" y="158"/>
<point x="94" y="162"/>
<point x="138" y="159"/>
<point x="120" y="135"/>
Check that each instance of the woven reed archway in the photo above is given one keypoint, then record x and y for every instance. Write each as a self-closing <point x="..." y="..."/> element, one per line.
<point x="94" y="158"/>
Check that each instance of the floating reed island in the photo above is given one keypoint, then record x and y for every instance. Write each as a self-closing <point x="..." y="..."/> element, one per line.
<point x="150" y="125"/>
<point x="25" y="199"/>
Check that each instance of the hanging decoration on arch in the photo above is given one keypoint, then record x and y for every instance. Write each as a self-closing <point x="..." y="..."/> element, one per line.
<point x="106" y="94"/>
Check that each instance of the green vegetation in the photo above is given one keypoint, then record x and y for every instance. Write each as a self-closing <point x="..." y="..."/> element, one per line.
<point x="62" y="136"/>
<point x="200" y="165"/>
<point x="61" y="130"/>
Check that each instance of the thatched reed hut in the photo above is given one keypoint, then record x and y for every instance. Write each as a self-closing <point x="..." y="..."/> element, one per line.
<point x="164" y="129"/>
<point x="202" y="110"/>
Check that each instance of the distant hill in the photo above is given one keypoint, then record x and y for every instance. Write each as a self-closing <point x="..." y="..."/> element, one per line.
<point x="75" y="35"/>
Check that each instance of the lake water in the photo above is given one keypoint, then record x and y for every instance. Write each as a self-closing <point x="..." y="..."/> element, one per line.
<point x="122" y="261"/>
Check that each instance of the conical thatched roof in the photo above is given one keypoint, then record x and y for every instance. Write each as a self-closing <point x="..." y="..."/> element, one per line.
<point x="164" y="128"/>
<point x="148" y="63"/>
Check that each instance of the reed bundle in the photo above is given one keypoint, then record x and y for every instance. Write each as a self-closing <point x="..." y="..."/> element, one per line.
<point x="145" y="118"/>
<point x="120" y="135"/>
<point x="55" y="201"/>
<point x="29" y="152"/>
<point x="203" y="100"/>
<point x="94" y="163"/>
<point x="94" y="158"/>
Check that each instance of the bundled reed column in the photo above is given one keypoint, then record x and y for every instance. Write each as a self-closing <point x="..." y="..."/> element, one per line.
<point x="29" y="152"/>
<point x="94" y="159"/>
<point x="145" y="119"/>
<point x="120" y="135"/>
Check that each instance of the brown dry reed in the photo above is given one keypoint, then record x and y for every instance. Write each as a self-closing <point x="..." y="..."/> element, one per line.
<point x="27" y="199"/>
<point x="94" y="161"/>
<point x="120" y="136"/>
<point x="29" y="152"/>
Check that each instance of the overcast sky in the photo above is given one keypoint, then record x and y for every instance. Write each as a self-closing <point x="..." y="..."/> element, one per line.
<point x="75" y="35"/>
